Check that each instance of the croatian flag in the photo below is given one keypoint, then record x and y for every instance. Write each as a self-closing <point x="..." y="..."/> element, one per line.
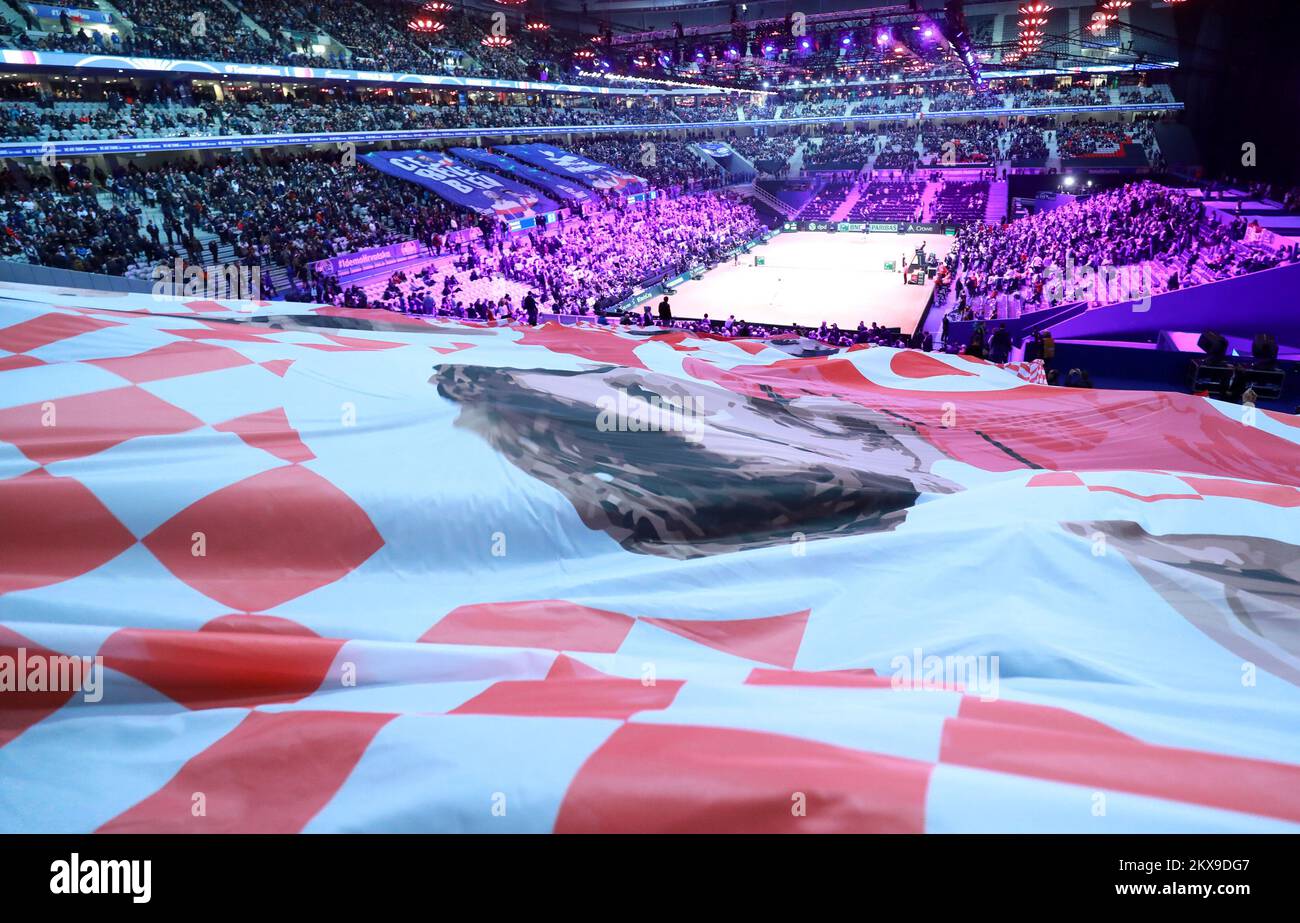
<point x="295" y="568"/>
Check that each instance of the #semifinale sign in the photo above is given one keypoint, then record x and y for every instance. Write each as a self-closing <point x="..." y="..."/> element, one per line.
<point x="461" y="184"/>
<point x="590" y="173"/>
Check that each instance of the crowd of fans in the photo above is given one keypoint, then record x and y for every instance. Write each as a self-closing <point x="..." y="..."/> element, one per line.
<point x="176" y="29"/>
<point x="377" y="36"/>
<point x="830" y="334"/>
<point x="308" y="110"/>
<point x="708" y="109"/>
<point x="881" y="104"/>
<point x="666" y="162"/>
<point x="277" y="211"/>
<point x="97" y="113"/>
<point x="755" y="111"/>
<point x="1142" y="94"/>
<point x="22" y="121"/>
<point x="60" y="121"/>
<point x="825" y="202"/>
<point x="604" y="260"/>
<point x="591" y="263"/>
<point x="165" y="29"/>
<point x="889" y="200"/>
<point x="898" y="150"/>
<point x="959" y="202"/>
<point x="766" y="149"/>
<point x="1091" y="137"/>
<point x="846" y="101"/>
<point x="69" y="229"/>
<point x="1214" y="250"/>
<point x="292" y="211"/>
<point x="1070" y="96"/>
<point x="361" y="36"/>
<point x="1025" y="140"/>
<point x="853" y="101"/>
<point x="821" y="108"/>
<point x="840" y="152"/>
<point x="1149" y="237"/>
<point x="970" y="141"/>
<point x="966" y="99"/>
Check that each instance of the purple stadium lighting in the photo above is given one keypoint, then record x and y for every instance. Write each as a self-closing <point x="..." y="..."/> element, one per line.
<point x="882" y="37"/>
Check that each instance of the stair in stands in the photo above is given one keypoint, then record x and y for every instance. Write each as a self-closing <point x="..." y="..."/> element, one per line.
<point x="996" y="209"/>
<point x="928" y="196"/>
<point x="842" y="213"/>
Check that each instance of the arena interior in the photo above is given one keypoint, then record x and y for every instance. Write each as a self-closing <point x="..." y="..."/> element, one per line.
<point x="649" y="416"/>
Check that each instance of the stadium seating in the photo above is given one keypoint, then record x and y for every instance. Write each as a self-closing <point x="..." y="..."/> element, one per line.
<point x="1147" y="238"/>
<point x="959" y="202"/>
<point x="825" y="203"/>
<point x="888" y="200"/>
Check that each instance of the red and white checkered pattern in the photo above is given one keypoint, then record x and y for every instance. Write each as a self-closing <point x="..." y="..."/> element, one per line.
<point x="349" y="652"/>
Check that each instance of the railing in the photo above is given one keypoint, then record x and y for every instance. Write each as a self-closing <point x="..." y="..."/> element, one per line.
<point x="784" y="209"/>
<point x="32" y="274"/>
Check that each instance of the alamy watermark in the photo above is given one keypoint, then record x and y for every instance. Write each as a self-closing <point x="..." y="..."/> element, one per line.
<point x="52" y="673"/>
<point x="217" y="281"/>
<point x="1101" y="284"/>
<point x="629" y="414"/>
<point x="76" y="875"/>
<point x="973" y="673"/>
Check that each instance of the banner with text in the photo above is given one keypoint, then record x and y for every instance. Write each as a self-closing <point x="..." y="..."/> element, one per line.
<point x="459" y="183"/>
<point x="570" y="193"/>
<point x="361" y="262"/>
<point x="588" y="172"/>
<point x="873" y="227"/>
<point x="346" y="266"/>
<point x="75" y="14"/>
<point x="719" y="149"/>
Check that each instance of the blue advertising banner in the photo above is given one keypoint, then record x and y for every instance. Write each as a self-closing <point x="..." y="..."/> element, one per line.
<point x="360" y="262"/>
<point x="346" y="266"/>
<point x="719" y="149"/>
<point x="461" y="184"/>
<point x="567" y="192"/>
<point x="46" y="11"/>
<point x="872" y="227"/>
<point x="588" y="172"/>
